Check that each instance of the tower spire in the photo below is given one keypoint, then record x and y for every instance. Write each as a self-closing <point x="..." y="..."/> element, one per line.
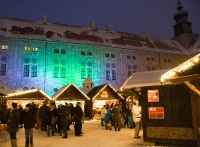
<point x="179" y="6"/>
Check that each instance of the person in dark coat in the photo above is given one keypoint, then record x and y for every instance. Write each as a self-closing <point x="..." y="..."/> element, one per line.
<point x="43" y="116"/>
<point x="51" y="112"/>
<point x="3" y="116"/>
<point x="13" y="124"/>
<point x="58" y="111"/>
<point x="116" y="116"/>
<point x="29" y="124"/>
<point x="20" y="109"/>
<point x="65" y="118"/>
<point x="78" y="114"/>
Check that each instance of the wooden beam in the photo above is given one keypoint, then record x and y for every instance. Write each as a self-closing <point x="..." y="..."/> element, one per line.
<point x="183" y="79"/>
<point x="192" y="87"/>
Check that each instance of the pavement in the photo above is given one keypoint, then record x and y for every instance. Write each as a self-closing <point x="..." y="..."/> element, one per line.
<point x="94" y="136"/>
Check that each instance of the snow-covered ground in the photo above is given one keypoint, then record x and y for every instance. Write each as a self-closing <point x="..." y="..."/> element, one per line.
<point x="94" y="136"/>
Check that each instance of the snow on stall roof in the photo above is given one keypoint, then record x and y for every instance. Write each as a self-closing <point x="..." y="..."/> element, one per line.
<point x="143" y="79"/>
<point x="11" y="27"/>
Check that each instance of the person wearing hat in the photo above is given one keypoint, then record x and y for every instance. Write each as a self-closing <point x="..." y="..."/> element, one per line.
<point x="29" y="124"/>
<point x="13" y="124"/>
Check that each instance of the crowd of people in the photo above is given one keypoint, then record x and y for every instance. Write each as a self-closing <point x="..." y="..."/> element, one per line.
<point x="112" y="115"/>
<point x="48" y="118"/>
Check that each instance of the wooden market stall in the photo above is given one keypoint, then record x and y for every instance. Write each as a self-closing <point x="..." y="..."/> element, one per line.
<point x="102" y="95"/>
<point x="37" y="96"/>
<point x="70" y="94"/>
<point x="166" y="109"/>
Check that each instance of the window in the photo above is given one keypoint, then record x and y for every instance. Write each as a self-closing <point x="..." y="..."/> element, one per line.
<point x="2" y="69"/>
<point x="133" y="57"/>
<point x="129" y="73"/>
<point x="89" y="72"/>
<point x="112" y="55"/>
<point x="156" y="112"/>
<point x="25" y="88"/>
<point x="152" y="59"/>
<point x="153" y="95"/>
<point x="107" y="55"/>
<point x="4" y="47"/>
<point x="89" y="53"/>
<point x="63" y="51"/>
<point x="114" y="75"/>
<point x="34" y="49"/>
<point x="148" y="59"/>
<point x="55" y="71"/>
<point x="83" y="53"/>
<point x="62" y="72"/>
<point x="27" y="49"/>
<point x="26" y="70"/>
<point x="107" y="74"/>
<point x="56" y="51"/>
<point x="165" y="60"/>
<point x="33" y="70"/>
<point x="128" y="56"/>
<point x="83" y="73"/>
<point x="169" y="60"/>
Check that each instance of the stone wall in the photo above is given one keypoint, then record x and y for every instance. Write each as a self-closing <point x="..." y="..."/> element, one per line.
<point x="170" y="133"/>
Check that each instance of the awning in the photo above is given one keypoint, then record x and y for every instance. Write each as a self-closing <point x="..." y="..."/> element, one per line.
<point x="143" y="79"/>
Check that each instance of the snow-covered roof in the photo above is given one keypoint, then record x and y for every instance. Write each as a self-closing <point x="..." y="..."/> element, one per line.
<point x="143" y="79"/>
<point x="67" y="33"/>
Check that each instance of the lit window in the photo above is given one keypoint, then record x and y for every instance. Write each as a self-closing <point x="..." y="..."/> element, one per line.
<point x="156" y="112"/>
<point x="133" y="57"/>
<point x="83" y="53"/>
<point x="63" y="72"/>
<point x="26" y="70"/>
<point x="89" y="72"/>
<point x="55" y="71"/>
<point x="2" y="69"/>
<point x="34" y="49"/>
<point x="63" y="51"/>
<point x="107" y="55"/>
<point x="114" y="75"/>
<point x="128" y="56"/>
<point x="107" y="74"/>
<point x="4" y="47"/>
<point x="153" y="96"/>
<point x="89" y="53"/>
<point x="112" y="55"/>
<point x="83" y="73"/>
<point x="33" y="70"/>
<point x="56" y="51"/>
<point x="27" y="49"/>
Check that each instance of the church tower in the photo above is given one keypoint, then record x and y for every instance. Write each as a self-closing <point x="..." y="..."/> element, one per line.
<point x="183" y="29"/>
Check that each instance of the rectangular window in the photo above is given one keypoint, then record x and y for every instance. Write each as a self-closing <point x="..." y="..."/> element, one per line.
<point x="34" y="49"/>
<point x="26" y="70"/>
<point x="112" y="55"/>
<point x="63" y="51"/>
<point x="4" y="47"/>
<point x="165" y="60"/>
<point x="129" y="73"/>
<point x="152" y="59"/>
<point x="56" y="51"/>
<point x="83" y="73"/>
<point x="33" y="70"/>
<point x="128" y="56"/>
<point x="62" y="72"/>
<point x="89" y="53"/>
<point x="2" y="69"/>
<point x="114" y="75"/>
<point x="156" y="112"/>
<point x="107" y="55"/>
<point x="27" y="49"/>
<point x="133" y="57"/>
<point x="169" y="60"/>
<point x="55" y="71"/>
<point x="148" y="59"/>
<point x="83" y="53"/>
<point x="107" y="74"/>
<point x="153" y="95"/>
<point x="89" y="72"/>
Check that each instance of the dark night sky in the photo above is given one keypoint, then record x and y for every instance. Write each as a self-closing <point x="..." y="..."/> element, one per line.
<point x="131" y="16"/>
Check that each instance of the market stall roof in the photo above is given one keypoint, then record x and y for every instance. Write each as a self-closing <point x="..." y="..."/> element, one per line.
<point x="96" y="91"/>
<point x="143" y="79"/>
<point x="29" y="94"/>
<point x="70" y="92"/>
<point x="7" y="91"/>
<point x="1" y="94"/>
<point x="187" y="71"/>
